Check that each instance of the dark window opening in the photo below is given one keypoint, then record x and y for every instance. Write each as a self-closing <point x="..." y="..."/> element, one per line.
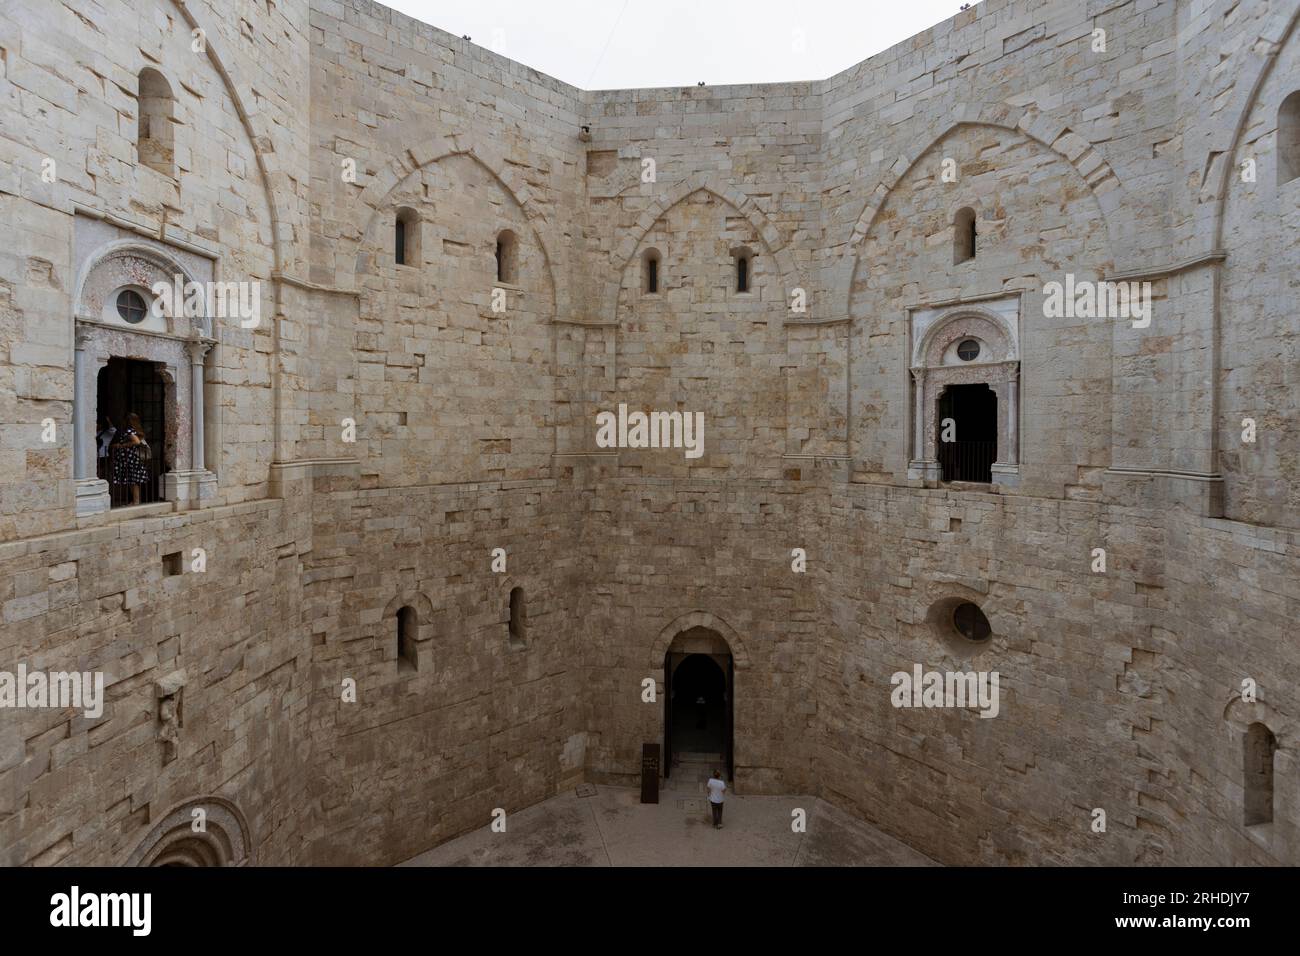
<point x="518" y="619"/>
<point x="1260" y="746"/>
<point x="966" y="433"/>
<point x="173" y="564"/>
<point x="971" y="623"/>
<point x="742" y="273"/>
<point x="651" y="283"/>
<point x="131" y="401"/>
<point x="399" y="243"/>
<point x="968" y="351"/>
<point x="506" y="257"/>
<point x="407" y="624"/>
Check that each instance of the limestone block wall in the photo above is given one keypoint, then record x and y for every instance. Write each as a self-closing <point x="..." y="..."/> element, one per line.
<point x="1118" y="690"/>
<point x="480" y="722"/>
<point x="70" y="118"/>
<point x="722" y="548"/>
<point x="1258" y="341"/>
<point x="305" y="127"/>
<point x="86" y="790"/>
<point x="1035" y="220"/>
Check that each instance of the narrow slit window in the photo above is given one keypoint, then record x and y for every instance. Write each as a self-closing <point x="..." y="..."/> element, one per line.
<point x="407" y="623"/>
<point x="406" y="238"/>
<point x="742" y="273"/>
<point x="518" y="618"/>
<point x="964" y="235"/>
<point x="650" y="270"/>
<point x="506" y="247"/>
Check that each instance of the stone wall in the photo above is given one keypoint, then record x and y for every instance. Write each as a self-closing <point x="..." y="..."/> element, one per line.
<point x="304" y="128"/>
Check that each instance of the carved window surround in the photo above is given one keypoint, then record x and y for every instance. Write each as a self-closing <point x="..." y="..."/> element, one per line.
<point x="176" y="345"/>
<point x="933" y="336"/>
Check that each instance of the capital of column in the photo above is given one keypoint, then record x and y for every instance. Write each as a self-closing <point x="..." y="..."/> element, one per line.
<point x="198" y="348"/>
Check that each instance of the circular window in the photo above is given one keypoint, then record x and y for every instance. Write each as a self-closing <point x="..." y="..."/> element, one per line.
<point x="968" y="350"/>
<point x="131" y="306"/>
<point x="971" y="623"/>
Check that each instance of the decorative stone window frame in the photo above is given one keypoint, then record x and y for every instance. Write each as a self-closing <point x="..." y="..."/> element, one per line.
<point x="933" y="335"/>
<point x="179" y="352"/>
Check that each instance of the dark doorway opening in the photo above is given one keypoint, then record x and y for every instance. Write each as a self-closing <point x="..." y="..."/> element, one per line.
<point x="127" y="386"/>
<point x="698" y="709"/>
<point x="968" y="414"/>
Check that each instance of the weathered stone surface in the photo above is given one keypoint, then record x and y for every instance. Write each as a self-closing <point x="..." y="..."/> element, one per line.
<point x="384" y="427"/>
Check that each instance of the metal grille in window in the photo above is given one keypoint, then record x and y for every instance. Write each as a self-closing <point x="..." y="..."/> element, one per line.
<point x="131" y="306"/>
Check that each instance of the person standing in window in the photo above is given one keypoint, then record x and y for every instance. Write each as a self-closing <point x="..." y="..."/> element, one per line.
<point x="104" y="440"/>
<point x="130" y="448"/>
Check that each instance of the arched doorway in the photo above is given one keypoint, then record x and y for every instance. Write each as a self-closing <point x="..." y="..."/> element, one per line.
<point x="699" y="680"/>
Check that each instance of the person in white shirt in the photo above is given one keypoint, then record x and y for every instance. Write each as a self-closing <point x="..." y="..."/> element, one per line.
<point x="717" y="787"/>
<point x="106" y="437"/>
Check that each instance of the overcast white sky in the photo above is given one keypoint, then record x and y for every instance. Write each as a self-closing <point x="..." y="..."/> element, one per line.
<point x="618" y="44"/>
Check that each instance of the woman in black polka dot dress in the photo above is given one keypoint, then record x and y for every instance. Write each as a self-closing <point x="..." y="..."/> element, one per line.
<point x="129" y="466"/>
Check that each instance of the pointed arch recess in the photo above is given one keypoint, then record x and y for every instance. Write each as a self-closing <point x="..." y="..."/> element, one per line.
<point x="1053" y="135"/>
<point x="374" y="199"/>
<point x="692" y="619"/>
<point x="274" y="181"/>
<point x="768" y="234"/>
<point x="1283" y="27"/>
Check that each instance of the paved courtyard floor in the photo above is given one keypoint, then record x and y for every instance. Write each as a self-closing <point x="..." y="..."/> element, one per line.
<point x="613" y="828"/>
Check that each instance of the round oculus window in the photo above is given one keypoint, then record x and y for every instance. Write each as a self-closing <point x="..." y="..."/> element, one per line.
<point x="131" y="306"/>
<point x="968" y="350"/>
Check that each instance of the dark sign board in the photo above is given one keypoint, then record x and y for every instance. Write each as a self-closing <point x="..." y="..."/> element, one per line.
<point x="649" y="773"/>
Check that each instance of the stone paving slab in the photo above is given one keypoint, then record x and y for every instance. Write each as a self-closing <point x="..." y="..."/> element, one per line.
<point x="613" y="828"/>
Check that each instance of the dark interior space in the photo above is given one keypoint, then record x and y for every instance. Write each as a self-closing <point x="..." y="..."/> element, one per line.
<point x="699" y="728"/>
<point x="974" y="409"/>
<point x="125" y="386"/>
